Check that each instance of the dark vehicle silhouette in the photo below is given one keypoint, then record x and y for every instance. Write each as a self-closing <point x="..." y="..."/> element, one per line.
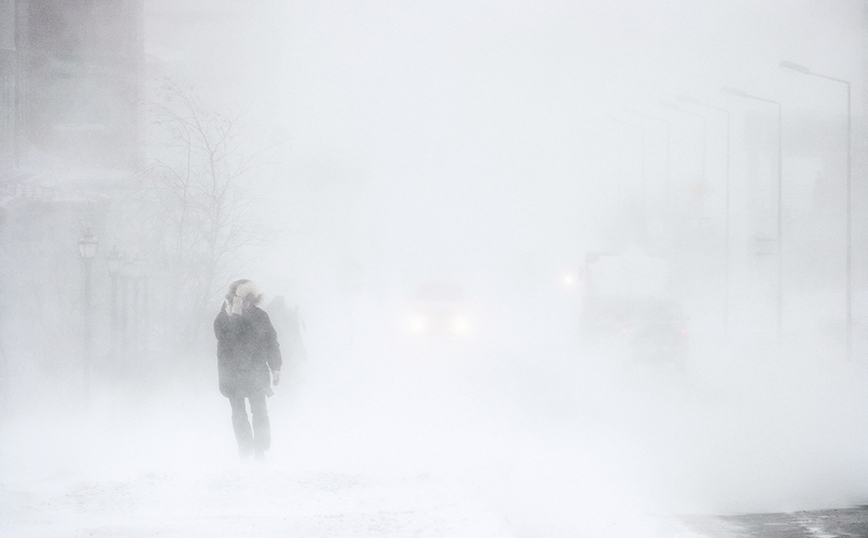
<point x="648" y="328"/>
<point x="656" y="329"/>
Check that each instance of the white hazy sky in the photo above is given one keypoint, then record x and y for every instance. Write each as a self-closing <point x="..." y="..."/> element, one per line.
<point x="487" y="85"/>
<point x="486" y="118"/>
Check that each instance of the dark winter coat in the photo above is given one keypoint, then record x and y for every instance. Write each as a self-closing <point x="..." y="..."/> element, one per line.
<point x="246" y="348"/>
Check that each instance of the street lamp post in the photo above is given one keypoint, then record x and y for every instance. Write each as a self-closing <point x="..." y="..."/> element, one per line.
<point x="114" y="260"/>
<point x="726" y="240"/>
<point x="780" y="219"/>
<point x="704" y="152"/>
<point x="849" y="248"/>
<point x="87" y="247"/>
<point x="136" y="270"/>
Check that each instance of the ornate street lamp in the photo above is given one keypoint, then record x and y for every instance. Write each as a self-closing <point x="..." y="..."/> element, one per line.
<point x="87" y="247"/>
<point x="114" y="261"/>
<point x="138" y="306"/>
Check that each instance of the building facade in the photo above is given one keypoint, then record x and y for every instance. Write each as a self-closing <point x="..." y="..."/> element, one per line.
<point x="69" y="143"/>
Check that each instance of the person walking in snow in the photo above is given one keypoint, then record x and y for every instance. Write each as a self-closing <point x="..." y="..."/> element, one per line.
<point x="248" y="362"/>
<point x="289" y="325"/>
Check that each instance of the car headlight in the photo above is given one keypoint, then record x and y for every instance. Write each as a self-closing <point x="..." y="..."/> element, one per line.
<point x="460" y="325"/>
<point x="418" y="324"/>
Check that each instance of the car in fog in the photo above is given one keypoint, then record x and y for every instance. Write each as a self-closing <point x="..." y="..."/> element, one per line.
<point x="656" y="329"/>
<point x="648" y="328"/>
<point x="439" y="310"/>
<point x="626" y="306"/>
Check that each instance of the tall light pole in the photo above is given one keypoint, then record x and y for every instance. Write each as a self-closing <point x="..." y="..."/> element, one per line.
<point x="87" y="246"/>
<point x="676" y="108"/>
<point x="849" y="248"/>
<point x="780" y="294"/>
<point x="726" y="225"/>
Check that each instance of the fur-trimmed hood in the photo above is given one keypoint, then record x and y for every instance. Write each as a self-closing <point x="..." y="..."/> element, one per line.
<point x="242" y="295"/>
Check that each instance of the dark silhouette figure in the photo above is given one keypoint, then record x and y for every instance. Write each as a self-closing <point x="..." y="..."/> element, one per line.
<point x="289" y="325"/>
<point x="248" y="362"/>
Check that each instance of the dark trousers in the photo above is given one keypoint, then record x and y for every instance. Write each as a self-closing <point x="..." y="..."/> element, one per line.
<point x="257" y="439"/>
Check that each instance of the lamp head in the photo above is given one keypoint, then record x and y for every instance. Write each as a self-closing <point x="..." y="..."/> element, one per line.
<point x="735" y="91"/>
<point x="798" y="68"/>
<point x="114" y="260"/>
<point x="87" y="245"/>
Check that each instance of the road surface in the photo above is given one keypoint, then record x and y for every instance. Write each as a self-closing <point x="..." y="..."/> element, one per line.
<point x="834" y="523"/>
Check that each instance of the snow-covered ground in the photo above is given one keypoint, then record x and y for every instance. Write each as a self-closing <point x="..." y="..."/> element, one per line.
<point x="265" y="501"/>
<point x="440" y="441"/>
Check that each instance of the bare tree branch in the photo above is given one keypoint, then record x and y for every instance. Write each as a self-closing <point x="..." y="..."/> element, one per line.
<point x="198" y="186"/>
